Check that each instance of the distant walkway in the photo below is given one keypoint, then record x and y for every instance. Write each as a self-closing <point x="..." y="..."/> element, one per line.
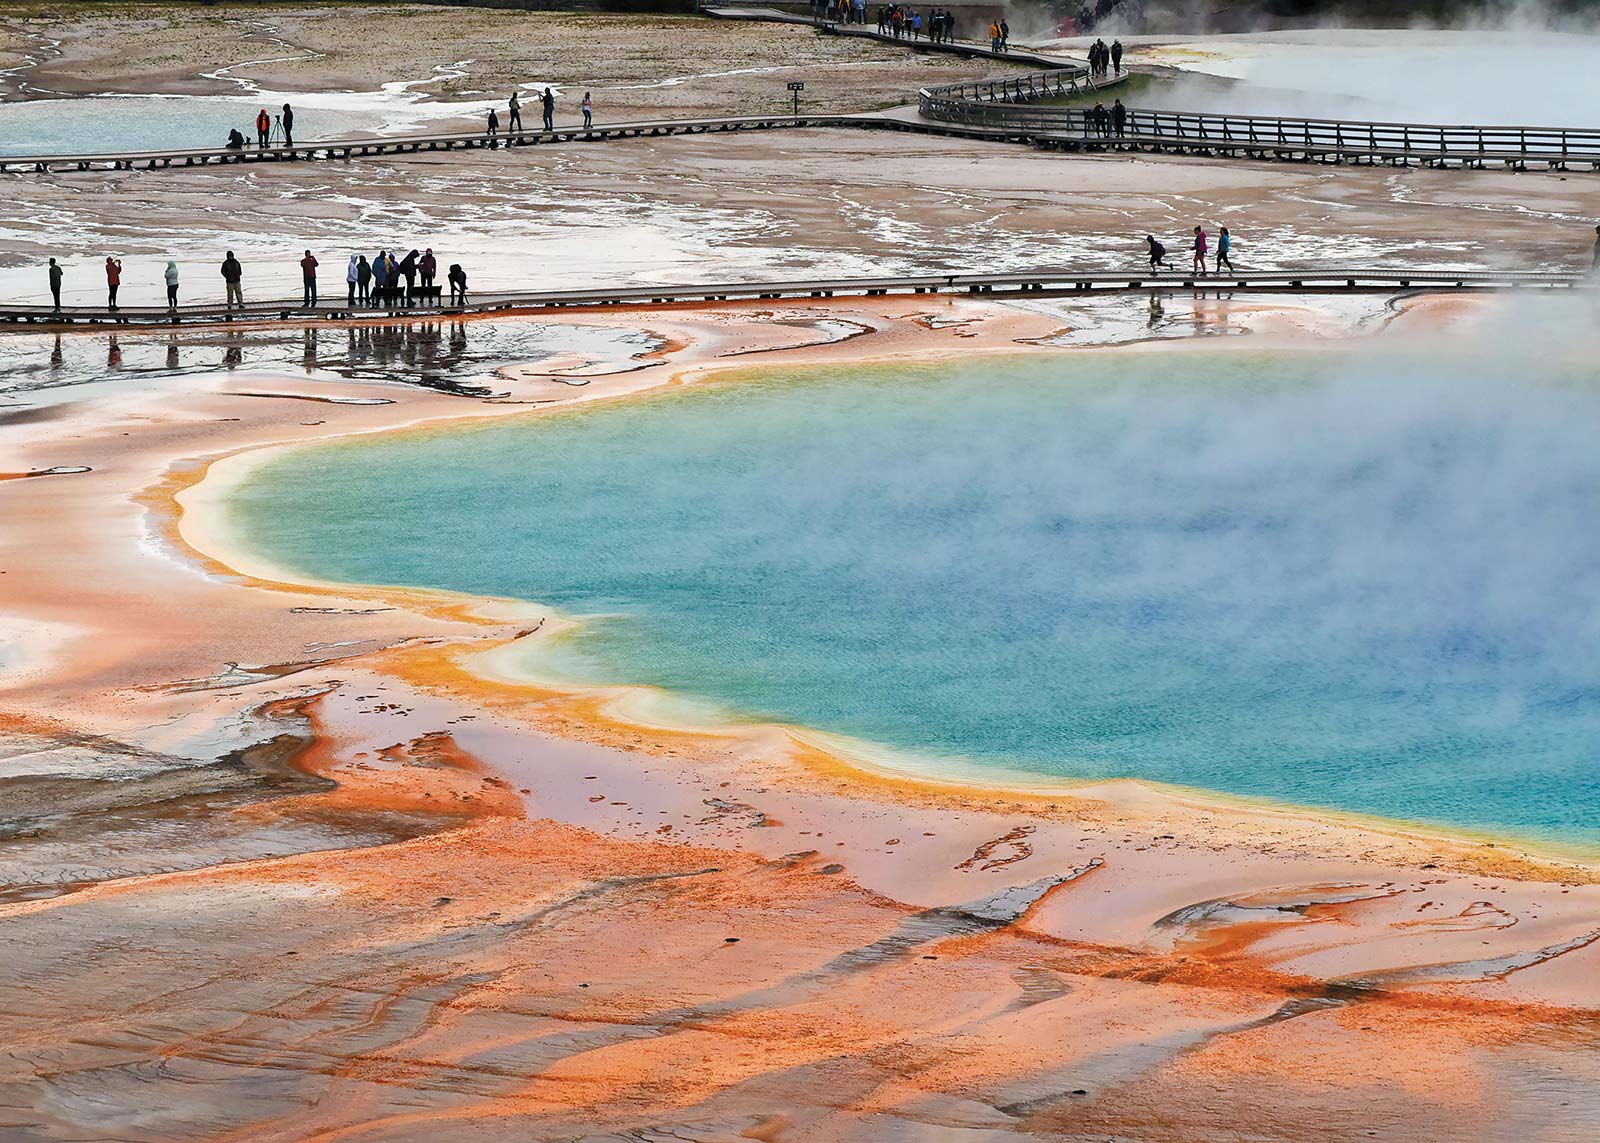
<point x="1029" y="283"/>
<point x="969" y="49"/>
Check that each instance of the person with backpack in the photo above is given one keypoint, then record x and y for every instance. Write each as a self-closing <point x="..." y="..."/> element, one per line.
<point x="233" y="278"/>
<point x="55" y="276"/>
<point x="1158" y="253"/>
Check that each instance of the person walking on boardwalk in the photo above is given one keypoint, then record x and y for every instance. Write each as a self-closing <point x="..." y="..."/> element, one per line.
<point x="1116" y="55"/>
<point x="428" y="267"/>
<point x="1158" y="253"/>
<point x="113" y="280"/>
<point x="352" y="279"/>
<point x="458" y="284"/>
<point x="263" y="128"/>
<point x="308" y="277"/>
<point x="994" y="36"/>
<point x="233" y="278"/>
<point x="1224" y="245"/>
<point x="494" y="126"/>
<point x="1005" y="35"/>
<point x="549" y="101"/>
<point x="408" y="271"/>
<point x="380" y="278"/>
<point x="514" y="124"/>
<point x="171" y="276"/>
<point x="55" y="276"/>
<point x="1119" y="118"/>
<point x="363" y="280"/>
<point x="287" y="119"/>
<point x="1200" y="248"/>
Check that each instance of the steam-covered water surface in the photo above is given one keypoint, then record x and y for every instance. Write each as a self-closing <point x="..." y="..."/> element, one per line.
<point x="1357" y="582"/>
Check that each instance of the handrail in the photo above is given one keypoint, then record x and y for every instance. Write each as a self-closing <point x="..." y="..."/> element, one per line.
<point x="1009" y="109"/>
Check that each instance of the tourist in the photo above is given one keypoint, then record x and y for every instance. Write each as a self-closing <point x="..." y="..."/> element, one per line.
<point x="235" y="140"/>
<point x="916" y="25"/>
<point x="428" y="267"/>
<point x="883" y="19"/>
<point x="352" y="277"/>
<point x="458" y="284"/>
<point x="1200" y="247"/>
<point x="263" y="128"/>
<point x="172" y="285"/>
<point x="380" y="278"/>
<point x="113" y="280"/>
<point x="1005" y="35"/>
<point x="1119" y="118"/>
<point x="1105" y="55"/>
<point x="287" y="119"/>
<point x="363" y="280"/>
<point x="1158" y="253"/>
<point x="549" y="101"/>
<point x="232" y="277"/>
<point x="308" y="275"/>
<point x="949" y="26"/>
<point x="1116" y="55"/>
<point x="588" y="111"/>
<point x="408" y="271"/>
<point x="515" y="123"/>
<point x="494" y="126"/>
<point x="1224" y="244"/>
<point x="55" y="279"/>
<point x="994" y="36"/>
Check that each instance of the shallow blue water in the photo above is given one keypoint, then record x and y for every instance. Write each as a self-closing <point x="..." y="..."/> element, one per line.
<point x="1355" y="582"/>
<point x="108" y="124"/>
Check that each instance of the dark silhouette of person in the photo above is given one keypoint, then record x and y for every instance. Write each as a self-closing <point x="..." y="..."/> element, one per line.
<point x="408" y="271"/>
<point x="235" y="140"/>
<point x="1119" y="118"/>
<point x="363" y="280"/>
<point x="516" y="114"/>
<point x="308" y="275"/>
<point x="55" y="279"/>
<point x="494" y="126"/>
<point x="428" y="267"/>
<point x="1102" y="119"/>
<point x="232" y="276"/>
<point x="1116" y="55"/>
<point x="1158" y="252"/>
<point x="549" y="101"/>
<point x="458" y="284"/>
<point x="288" y="125"/>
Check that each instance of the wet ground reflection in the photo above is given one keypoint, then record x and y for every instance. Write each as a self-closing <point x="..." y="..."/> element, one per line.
<point x="458" y="357"/>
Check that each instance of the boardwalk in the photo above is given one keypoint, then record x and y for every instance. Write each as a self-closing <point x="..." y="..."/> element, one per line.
<point x="1032" y="283"/>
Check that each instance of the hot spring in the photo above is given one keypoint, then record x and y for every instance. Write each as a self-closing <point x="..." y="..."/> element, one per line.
<point x="1356" y="581"/>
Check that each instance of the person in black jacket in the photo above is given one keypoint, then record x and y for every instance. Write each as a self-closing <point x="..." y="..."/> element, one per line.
<point x="232" y="277"/>
<point x="288" y="125"/>
<point x="458" y="284"/>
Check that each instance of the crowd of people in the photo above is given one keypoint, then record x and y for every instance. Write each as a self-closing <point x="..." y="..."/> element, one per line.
<point x="386" y="280"/>
<point x="840" y="11"/>
<point x="1199" y="249"/>
<point x="1103" y="59"/>
<point x="904" y="22"/>
<point x="271" y="130"/>
<point x="547" y="105"/>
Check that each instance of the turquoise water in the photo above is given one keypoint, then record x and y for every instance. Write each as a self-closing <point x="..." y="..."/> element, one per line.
<point x="1355" y="582"/>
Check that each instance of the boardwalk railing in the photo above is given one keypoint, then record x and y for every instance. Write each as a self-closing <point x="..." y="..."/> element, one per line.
<point x="1010" y="105"/>
<point x="1022" y="282"/>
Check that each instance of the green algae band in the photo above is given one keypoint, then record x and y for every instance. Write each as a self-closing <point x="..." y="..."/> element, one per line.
<point x="1366" y="582"/>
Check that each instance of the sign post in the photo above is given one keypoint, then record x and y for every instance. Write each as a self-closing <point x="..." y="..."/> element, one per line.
<point x="797" y="87"/>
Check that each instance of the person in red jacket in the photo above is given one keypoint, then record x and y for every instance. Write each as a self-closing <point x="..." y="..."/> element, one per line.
<point x="113" y="280"/>
<point x="263" y="128"/>
<point x="308" y="272"/>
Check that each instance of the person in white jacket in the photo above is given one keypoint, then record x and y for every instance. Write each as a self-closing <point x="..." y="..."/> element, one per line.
<point x="351" y="277"/>
<point x="172" y="285"/>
